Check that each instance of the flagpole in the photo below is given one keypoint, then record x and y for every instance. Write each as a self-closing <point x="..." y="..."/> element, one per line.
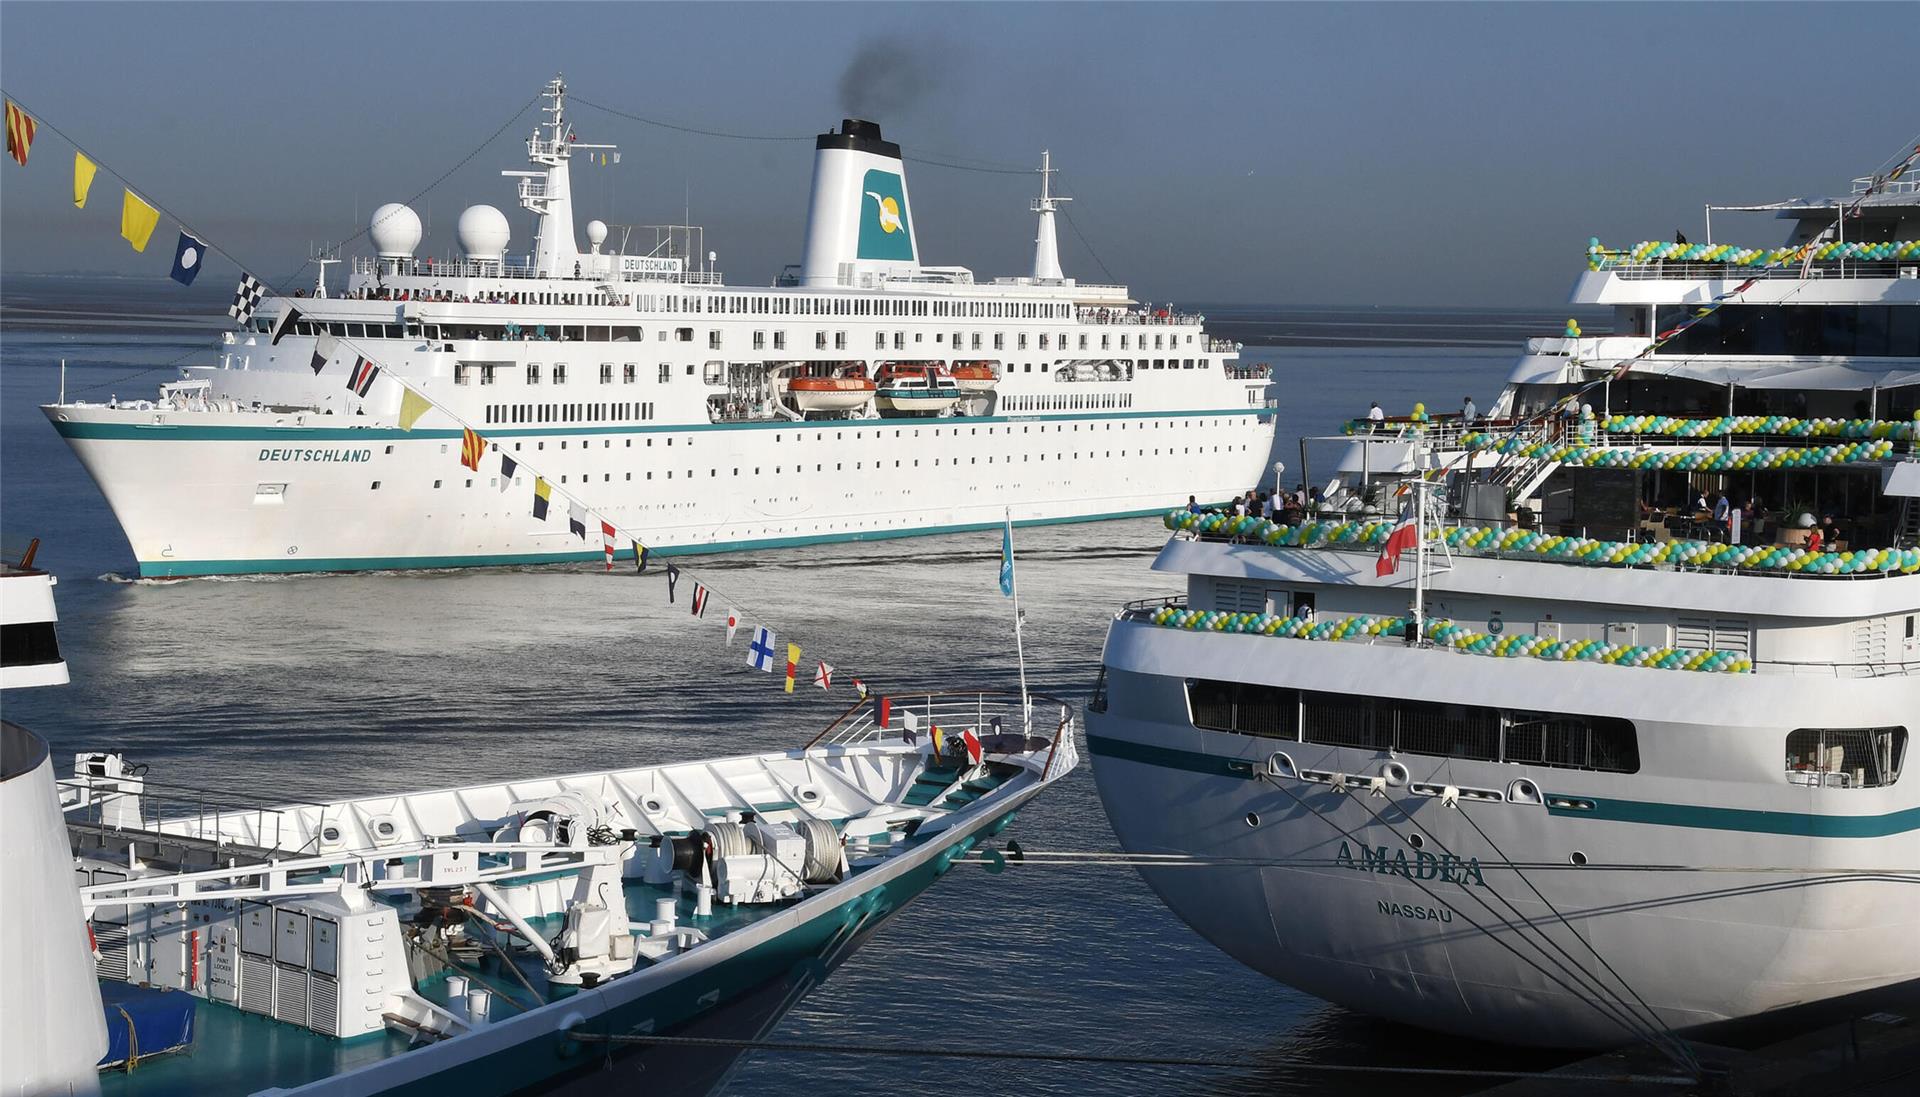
<point x="1019" y="630"/>
<point x="1419" y="560"/>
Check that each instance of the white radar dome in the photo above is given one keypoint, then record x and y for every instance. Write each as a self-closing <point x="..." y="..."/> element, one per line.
<point x="596" y="234"/>
<point x="484" y="232"/>
<point x="395" y="230"/>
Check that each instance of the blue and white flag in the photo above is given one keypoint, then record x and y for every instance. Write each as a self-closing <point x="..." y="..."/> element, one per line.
<point x="1006" y="558"/>
<point x="186" y="259"/>
<point x="760" y="652"/>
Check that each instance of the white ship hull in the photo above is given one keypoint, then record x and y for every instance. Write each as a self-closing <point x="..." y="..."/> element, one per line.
<point x="1332" y="894"/>
<point x="245" y="492"/>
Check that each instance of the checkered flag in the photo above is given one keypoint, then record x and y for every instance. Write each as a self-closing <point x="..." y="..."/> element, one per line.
<point x="246" y="299"/>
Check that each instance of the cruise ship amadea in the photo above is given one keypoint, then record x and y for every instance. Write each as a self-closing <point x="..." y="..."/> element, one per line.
<point x="862" y="395"/>
<point x="1640" y="766"/>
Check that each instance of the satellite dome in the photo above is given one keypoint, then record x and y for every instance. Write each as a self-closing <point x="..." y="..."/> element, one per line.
<point x="484" y="233"/>
<point x="395" y="230"/>
<point x="596" y="235"/>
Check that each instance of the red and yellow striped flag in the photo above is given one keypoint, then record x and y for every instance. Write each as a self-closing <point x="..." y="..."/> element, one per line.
<point x="793" y="664"/>
<point x="472" y="448"/>
<point x="20" y="129"/>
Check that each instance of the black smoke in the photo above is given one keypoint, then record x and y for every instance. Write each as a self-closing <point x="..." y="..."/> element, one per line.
<point x="888" y="77"/>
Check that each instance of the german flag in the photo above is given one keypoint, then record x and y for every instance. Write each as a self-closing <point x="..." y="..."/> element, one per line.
<point x="20" y="127"/>
<point x="472" y="448"/>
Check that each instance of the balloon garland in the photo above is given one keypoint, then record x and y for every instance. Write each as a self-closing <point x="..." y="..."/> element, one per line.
<point x="1488" y="541"/>
<point x="1586" y="456"/>
<point x="1447" y="634"/>
<point x="1783" y="425"/>
<point x="1648" y="251"/>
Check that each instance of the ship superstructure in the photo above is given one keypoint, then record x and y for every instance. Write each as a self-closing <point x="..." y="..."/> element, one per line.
<point x="1620" y="743"/>
<point x="863" y="394"/>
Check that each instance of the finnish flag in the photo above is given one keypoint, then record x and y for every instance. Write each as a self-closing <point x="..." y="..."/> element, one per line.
<point x="760" y="652"/>
<point x="187" y="256"/>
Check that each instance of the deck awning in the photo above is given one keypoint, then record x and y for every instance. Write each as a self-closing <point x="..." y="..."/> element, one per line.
<point x="1832" y="377"/>
<point x="1818" y="377"/>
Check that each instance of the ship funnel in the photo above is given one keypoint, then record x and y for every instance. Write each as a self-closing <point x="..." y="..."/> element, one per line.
<point x="858" y="222"/>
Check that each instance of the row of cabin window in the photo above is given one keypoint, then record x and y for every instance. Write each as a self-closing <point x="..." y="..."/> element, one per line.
<point x="1075" y="401"/>
<point x="838" y="466"/>
<point x="602" y="333"/>
<point x="614" y="412"/>
<point x="1477" y="732"/>
<point x="488" y="373"/>
<point x="783" y="305"/>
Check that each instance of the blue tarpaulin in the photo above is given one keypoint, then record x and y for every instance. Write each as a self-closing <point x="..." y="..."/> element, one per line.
<point x="144" y="1021"/>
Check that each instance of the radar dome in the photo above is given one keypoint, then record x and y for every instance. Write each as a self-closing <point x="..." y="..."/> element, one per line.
<point x="395" y="230"/>
<point x="596" y="234"/>
<point x="484" y="233"/>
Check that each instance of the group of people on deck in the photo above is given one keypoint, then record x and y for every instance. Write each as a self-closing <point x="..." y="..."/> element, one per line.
<point x="1286" y="507"/>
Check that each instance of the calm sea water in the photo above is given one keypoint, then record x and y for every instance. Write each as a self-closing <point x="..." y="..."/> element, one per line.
<point x="334" y="686"/>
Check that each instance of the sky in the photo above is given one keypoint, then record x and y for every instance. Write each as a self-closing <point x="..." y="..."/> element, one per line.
<point x="1429" y="154"/>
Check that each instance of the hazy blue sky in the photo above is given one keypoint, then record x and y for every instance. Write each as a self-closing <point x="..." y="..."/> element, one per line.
<point x="1399" y="154"/>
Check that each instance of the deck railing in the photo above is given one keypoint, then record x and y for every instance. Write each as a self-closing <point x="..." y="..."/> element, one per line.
<point x="986" y="713"/>
<point x="135" y="803"/>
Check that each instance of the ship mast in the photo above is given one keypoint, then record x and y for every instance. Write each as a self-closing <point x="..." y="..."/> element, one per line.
<point x="1046" y="247"/>
<point x="547" y="193"/>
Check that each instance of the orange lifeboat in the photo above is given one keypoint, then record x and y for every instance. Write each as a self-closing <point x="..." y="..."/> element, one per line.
<point x="843" y="393"/>
<point x="975" y="376"/>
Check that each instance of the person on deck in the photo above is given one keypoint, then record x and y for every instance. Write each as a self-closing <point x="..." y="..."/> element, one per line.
<point x="1375" y="415"/>
<point x="1469" y="411"/>
<point x="1193" y="507"/>
<point x="1722" y="514"/>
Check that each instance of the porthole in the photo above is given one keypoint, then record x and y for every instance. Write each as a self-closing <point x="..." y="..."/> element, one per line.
<point x="1253" y="818"/>
<point x="1578" y="859"/>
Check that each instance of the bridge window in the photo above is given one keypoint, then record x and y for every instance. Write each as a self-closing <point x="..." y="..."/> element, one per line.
<point x="1846" y="757"/>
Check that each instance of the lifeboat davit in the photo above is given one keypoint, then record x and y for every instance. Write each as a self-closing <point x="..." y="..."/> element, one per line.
<point x="916" y="389"/>
<point x="830" y="393"/>
<point x="975" y="376"/>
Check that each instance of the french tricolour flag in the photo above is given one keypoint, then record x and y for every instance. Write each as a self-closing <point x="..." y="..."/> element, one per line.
<point x="1403" y="538"/>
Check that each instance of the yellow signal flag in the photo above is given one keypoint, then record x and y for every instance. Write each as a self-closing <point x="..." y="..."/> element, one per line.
<point x="412" y="407"/>
<point x="793" y="664"/>
<point x="137" y="220"/>
<point x="83" y="170"/>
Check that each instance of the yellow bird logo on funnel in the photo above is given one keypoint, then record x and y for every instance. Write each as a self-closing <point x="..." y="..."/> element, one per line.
<point x="889" y="212"/>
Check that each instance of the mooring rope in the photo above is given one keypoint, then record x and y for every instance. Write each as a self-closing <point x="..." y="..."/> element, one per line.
<point x="925" y="1051"/>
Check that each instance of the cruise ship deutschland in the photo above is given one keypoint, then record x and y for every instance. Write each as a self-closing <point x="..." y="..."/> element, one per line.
<point x="1589" y="720"/>
<point x="862" y="394"/>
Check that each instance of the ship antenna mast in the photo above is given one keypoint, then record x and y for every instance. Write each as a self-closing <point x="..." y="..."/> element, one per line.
<point x="1046" y="245"/>
<point x="323" y="258"/>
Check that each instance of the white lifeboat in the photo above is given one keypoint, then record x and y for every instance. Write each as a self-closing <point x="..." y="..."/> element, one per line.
<point x="916" y="388"/>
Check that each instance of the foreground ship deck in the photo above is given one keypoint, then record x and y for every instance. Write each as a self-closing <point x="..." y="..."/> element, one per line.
<point x="865" y="395"/>
<point x="481" y="938"/>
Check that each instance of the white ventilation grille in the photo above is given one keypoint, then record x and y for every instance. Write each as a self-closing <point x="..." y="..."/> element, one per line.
<point x="289" y="994"/>
<point x="1733" y="634"/>
<point x="323" y="1005"/>
<point x="111" y="940"/>
<point x="256" y="984"/>
<point x="1235" y="597"/>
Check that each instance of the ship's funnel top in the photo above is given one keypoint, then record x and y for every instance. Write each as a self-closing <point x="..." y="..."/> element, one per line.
<point x="859" y="223"/>
<point x="860" y="135"/>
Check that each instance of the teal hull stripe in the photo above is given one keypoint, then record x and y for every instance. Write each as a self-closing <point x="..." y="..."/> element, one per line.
<point x="1168" y="758"/>
<point x="1745" y="820"/>
<point x="178" y="433"/>
<point x="180" y="569"/>
<point x="1611" y="811"/>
